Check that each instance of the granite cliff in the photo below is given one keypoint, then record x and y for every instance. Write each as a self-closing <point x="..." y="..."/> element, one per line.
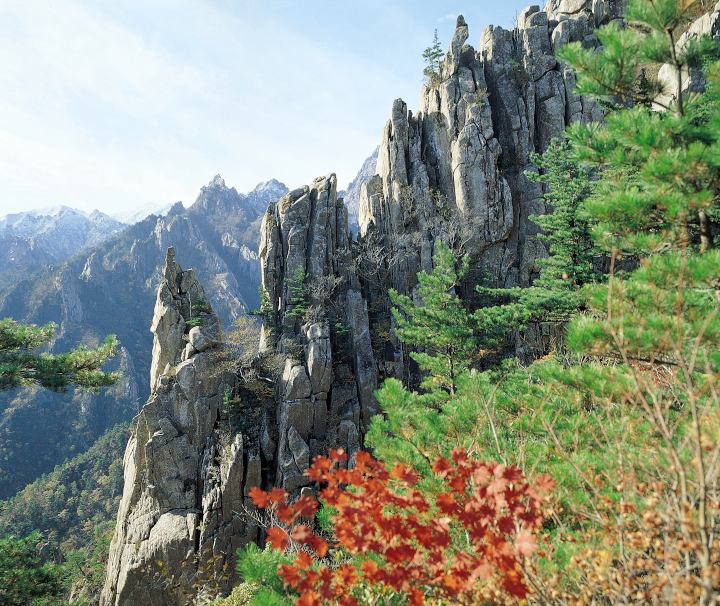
<point x="455" y="172"/>
<point x="109" y="288"/>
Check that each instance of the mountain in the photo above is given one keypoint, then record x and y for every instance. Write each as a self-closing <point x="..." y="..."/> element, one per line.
<point x="455" y="172"/>
<point x="351" y="195"/>
<point x="110" y="288"/>
<point x="31" y="240"/>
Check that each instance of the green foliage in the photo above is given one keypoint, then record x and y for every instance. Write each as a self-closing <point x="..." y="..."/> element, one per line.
<point x="451" y="339"/>
<point x="21" y="365"/>
<point x="664" y="311"/>
<point x="555" y="296"/>
<point x="432" y="56"/>
<point x="78" y="496"/>
<point x="25" y="579"/>
<point x="265" y="309"/>
<point x="241" y="595"/>
<point x="259" y="569"/>
<point x="299" y="294"/>
<point x="660" y="168"/>
<point x="73" y="508"/>
<point x="627" y="53"/>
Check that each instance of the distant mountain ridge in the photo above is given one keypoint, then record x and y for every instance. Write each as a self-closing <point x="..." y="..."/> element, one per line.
<point x="33" y="239"/>
<point x="109" y="288"/>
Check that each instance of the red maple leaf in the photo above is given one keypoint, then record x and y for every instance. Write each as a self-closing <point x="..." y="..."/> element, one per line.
<point x="278" y="538"/>
<point x="259" y="497"/>
<point x="525" y="543"/>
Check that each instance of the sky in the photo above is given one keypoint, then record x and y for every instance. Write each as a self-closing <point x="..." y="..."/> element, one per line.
<point x="134" y="104"/>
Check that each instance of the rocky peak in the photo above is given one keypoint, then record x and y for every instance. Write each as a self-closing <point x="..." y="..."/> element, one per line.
<point x="456" y="171"/>
<point x="272" y="190"/>
<point x="217" y="181"/>
<point x="325" y="392"/>
<point x="186" y="471"/>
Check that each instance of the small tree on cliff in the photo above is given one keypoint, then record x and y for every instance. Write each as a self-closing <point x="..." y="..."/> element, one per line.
<point x="432" y="56"/>
<point x="21" y="365"/>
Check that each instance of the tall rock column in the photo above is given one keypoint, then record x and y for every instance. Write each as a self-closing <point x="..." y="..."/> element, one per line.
<point x="318" y="321"/>
<point x="179" y="522"/>
<point x="457" y="171"/>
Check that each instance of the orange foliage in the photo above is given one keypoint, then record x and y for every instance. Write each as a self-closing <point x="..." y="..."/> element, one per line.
<point x="475" y="533"/>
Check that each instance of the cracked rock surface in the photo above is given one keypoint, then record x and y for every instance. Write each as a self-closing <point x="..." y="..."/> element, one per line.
<point x="186" y="473"/>
<point x="325" y="394"/>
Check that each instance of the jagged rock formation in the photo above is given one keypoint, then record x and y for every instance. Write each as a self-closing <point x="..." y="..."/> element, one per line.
<point x="110" y="288"/>
<point x="325" y="393"/>
<point x="191" y="460"/>
<point x="351" y="195"/>
<point x="456" y="171"/>
<point x="186" y="471"/>
<point x="462" y="158"/>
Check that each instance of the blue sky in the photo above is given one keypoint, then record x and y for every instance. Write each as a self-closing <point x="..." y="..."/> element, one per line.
<point x="119" y="105"/>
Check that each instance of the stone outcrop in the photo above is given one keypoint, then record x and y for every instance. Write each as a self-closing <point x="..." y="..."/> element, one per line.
<point x="456" y="171"/>
<point x="212" y="429"/>
<point x="318" y="321"/>
<point x="707" y="24"/>
<point x="186" y="471"/>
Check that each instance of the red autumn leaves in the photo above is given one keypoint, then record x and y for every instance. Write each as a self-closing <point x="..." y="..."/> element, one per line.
<point x="475" y="532"/>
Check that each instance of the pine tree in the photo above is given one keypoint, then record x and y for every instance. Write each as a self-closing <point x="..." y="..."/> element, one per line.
<point x="20" y="364"/>
<point x="641" y="151"/>
<point x="451" y="340"/>
<point x="433" y="55"/>
<point x="439" y="325"/>
<point x="566" y="232"/>
<point x="24" y="577"/>
<point x="298" y="294"/>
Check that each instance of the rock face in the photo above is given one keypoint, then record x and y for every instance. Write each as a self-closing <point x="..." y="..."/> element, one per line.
<point x="109" y="288"/>
<point x="456" y="171"/>
<point x="707" y="24"/>
<point x="186" y="471"/>
<point x="318" y="321"/>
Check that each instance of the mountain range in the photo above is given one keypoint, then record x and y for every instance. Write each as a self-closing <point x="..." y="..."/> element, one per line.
<point x="92" y="275"/>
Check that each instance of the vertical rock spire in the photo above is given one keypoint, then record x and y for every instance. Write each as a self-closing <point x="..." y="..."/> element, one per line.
<point x="319" y="322"/>
<point x="186" y="475"/>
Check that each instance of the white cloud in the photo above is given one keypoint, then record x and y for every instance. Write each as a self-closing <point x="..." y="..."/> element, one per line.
<point x="120" y="105"/>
